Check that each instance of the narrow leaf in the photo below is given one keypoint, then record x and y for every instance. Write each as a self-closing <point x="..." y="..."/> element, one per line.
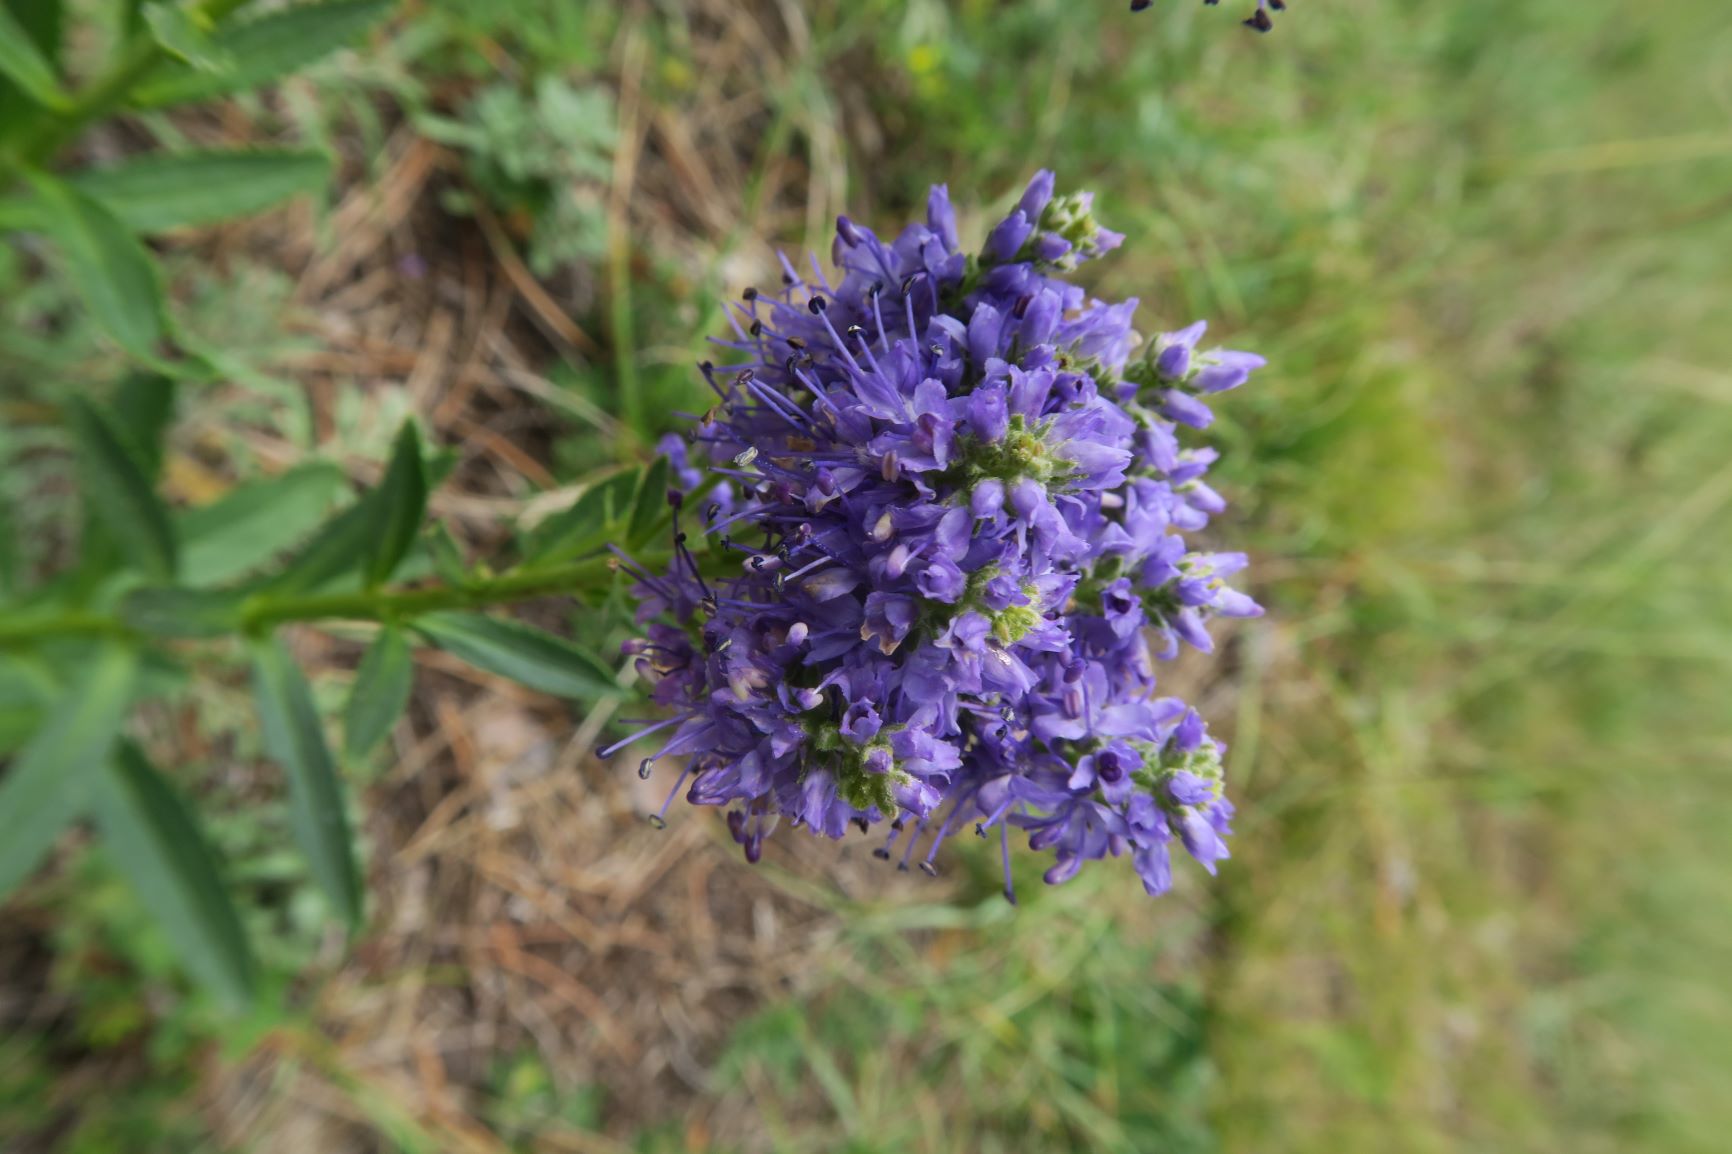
<point x="156" y="843"/>
<point x="180" y="190"/>
<point x="650" y="510"/>
<point x="23" y="63"/>
<point x="255" y="522"/>
<point x="380" y="693"/>
<point x="513" y="650"/>
<point x="446" y="556"/>
<point x="397" y="507"/>
<point x="120" y="492"/>
<point x="295" y="739"/>
<point x="41" y="22"/>
<point x="263" y="49"/>
<point x="52" y="781"/>
<point x="110" y="268"/>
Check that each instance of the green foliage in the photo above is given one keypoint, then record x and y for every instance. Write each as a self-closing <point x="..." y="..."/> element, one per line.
<point x="156" y="842"/>
<point x="111" y="268"/>
<point x="256" y="50"/>
<point x="380" y="693"/>
<point x="296" y="739"/>
<point x="23" y="63"/>
<point x="182" y="190"/>
<point x="121" y="493"/>
<point x="396" y="508"/>
<point x="544" y="158"/>
<point x="54" y="777"/>
<point x="515" y="651"/>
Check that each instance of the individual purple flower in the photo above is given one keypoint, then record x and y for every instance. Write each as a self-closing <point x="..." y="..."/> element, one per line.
<point x="941" y="551"/>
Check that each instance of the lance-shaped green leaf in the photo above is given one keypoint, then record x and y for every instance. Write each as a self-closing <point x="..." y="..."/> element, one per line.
<point x="52" y="781"/>
<point x="110" y="268"/>
<point x="22" y="62"/>
<point x="335" y="549"/>
<point x="255" y="522"/>
<point x="181" y="190"/>
<point x="120" y="492"/>
<point x="263" y="49"/>
<point x="380" y="693"/>
<point x="157" y="845"/>
<point x="396" y="507"/>
<point x="295" y="739"/>
<point x="516" y="651"/>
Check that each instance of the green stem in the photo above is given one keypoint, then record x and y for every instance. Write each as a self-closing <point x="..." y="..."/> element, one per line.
<point x="265" y="611"/>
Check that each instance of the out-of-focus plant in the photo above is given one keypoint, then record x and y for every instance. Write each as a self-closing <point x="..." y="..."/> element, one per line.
<point x="543" y="159"/>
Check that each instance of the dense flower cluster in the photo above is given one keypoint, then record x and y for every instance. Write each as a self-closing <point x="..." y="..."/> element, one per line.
<point x="1260" y="19"/>
<point x="953" y="508"/>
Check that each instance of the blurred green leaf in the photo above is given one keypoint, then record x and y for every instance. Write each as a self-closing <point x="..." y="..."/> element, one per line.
<point x="520" y="653"/>
<point x="52" y="780"/>
<point x="184" y="34"/>
<point x="336" y="549"/>
<point x="443" y="551"/>
<point x="650" y="511"/>
<point x="41" y="21"/>
<point x="380" y="693"/>
<point x="142" y="412"/>
<point x="106" y="263"/>
<point x="255" y="522"/>
<point x="595" y="519"/>
<point x="397" y="507"/>
<point x="158" y="846"/>
<point x="22" y="62"/>
<point x="263" y="49"/>
<point x="120" y="492"/>
<point x="179" y="190"/>
<point x="295" y="739"/>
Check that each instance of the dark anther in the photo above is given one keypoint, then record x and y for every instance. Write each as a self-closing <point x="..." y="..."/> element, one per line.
<point x="676" y="498"/>
<point x="856" y="330"/>
<point x="1260" y="21"/>
<point x="903" y="866"/>
<point x="657" y="821"/>
<point x="645" y="767"/>
<point x="897" y="825"/>
<point x="817" y="304"/>
<point x="1140" y="5"/>
<point x="679" y="538"/>
<point x="796" y="343"/>
<point x="862" y="824"/>
<point x="979" y="830"/>
<point x="713" y="511"/>
<point x="1278" y="5"/>
<point x="908" y="283"/>
<point x="877" y="287"/>
<point x="881" y="854"/>
<point x="788" y="278"/>
<point x="938" y="350"/>
<point x="1010" y="895"/>
<point x="750" y="294"/>
<point x="707" y="367"/>
<point x="928" y="869"/>
<point x="757" y="329"/>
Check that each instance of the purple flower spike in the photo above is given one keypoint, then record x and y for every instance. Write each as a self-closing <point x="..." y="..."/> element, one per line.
<point x="940" y="554"/>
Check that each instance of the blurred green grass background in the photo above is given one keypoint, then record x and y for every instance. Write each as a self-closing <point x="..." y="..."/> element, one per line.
<point x="1478" y="893"/>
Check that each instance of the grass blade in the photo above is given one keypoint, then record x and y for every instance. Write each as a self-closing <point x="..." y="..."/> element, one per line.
<point x="157" y="844"/>
<point x="295" y="739"/>
<point x="380" y="693"/>
<point x="51" y="782"/>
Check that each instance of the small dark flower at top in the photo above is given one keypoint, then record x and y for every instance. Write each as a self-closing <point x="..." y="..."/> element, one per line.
<point x="952" y="504"/>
